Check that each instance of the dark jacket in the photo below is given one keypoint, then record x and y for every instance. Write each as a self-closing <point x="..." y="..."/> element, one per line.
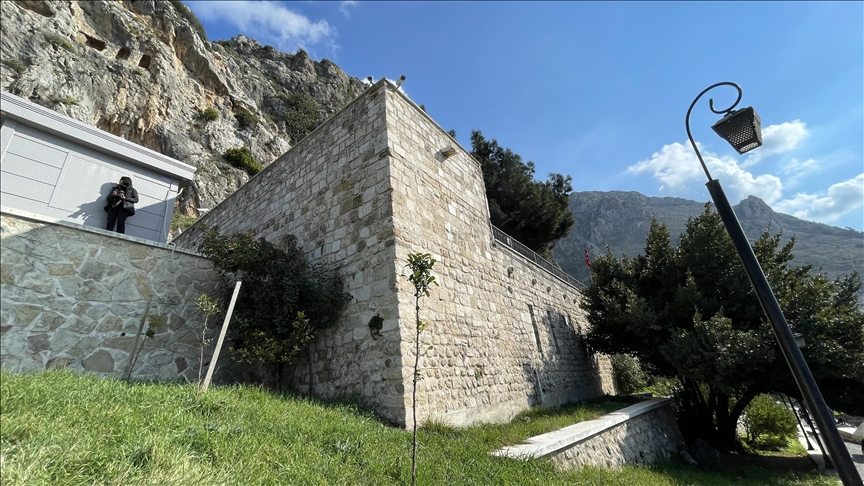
<point x="128" y="203"/>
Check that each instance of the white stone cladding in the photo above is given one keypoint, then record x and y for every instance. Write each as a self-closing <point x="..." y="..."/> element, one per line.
<point x="361" y="192"/>
<point x="73" y="297"/>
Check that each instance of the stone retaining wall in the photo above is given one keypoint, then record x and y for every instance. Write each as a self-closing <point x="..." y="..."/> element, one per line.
<point x="640" y="434"/>
<point x="73" y="297"/>
<point x="369" y="186"/>
<point x="332" y="191"/>
<point x="643" y="439"/>
<point x="506" y="334"/>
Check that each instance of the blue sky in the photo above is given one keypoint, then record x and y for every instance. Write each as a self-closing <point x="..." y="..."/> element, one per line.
<point x="599" y="91"/>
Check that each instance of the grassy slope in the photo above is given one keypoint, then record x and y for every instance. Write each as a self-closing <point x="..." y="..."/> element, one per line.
<point x="59" y="428"/>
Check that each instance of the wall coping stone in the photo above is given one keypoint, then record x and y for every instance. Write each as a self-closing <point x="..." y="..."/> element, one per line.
<point x="80" y="227"/>
<point x="552" y="442"/>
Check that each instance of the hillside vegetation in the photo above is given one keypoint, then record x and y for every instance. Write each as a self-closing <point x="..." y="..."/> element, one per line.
<point x="59" y="428"/>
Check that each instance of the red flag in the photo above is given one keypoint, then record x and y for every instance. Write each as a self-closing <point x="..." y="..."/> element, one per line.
<point x="587" y="260"/>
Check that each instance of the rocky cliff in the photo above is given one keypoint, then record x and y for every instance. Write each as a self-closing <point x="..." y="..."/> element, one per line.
<point x="621" y="221"/>
<point x="143" y="70"/>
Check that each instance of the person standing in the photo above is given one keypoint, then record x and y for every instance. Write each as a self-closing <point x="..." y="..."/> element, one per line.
<point x="121" y="204"/>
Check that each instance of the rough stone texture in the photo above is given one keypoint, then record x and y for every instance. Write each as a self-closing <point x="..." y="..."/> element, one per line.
<point x="643" y="439"/>
<point x="332" y="191"/>
<point x="85" y="319"/>
<point x="156" y="75"/>
<point x="363" y="191"/>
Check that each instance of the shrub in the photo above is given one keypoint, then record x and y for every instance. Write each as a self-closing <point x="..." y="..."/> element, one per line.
<point x="210" y="114"/>
<point x="16" y="65"/>
<point x="66" y="100"/>
<point x="303" y="114"/>
<point x="178" y="221"/>
<point x="769" y="425"/>
<point x="628" y="375"/>
<point x="284" y="299"/>
<point x="246" y="119"/>
<point x="59" y="40"/>
<point x="242" y="158"/>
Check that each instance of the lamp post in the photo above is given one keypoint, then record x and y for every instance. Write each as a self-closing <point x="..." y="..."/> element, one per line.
<point x="742" y="129"/>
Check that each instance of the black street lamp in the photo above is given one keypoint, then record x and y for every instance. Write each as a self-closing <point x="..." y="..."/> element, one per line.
<point x="742" y="129"/>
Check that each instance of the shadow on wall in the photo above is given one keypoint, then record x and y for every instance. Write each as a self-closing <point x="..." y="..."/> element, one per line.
<point x="93" y="213"/>
<point x="568" y="343"/>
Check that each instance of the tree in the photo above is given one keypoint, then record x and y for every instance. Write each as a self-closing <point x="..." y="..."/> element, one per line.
<point x="285" y="300"/>
<point x="689" y="313"/>
<point x="535" y="213"/>
<point x="420" y="265"/>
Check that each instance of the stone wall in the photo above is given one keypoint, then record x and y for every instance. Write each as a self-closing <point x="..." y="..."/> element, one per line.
<point x="644" y="439"/>
<point x="639" y="434"/>
<point x="361" y="192"/>
<point x="505" y="333"/>
<point x="73" y="297"/>
<point x="333" y="192"/>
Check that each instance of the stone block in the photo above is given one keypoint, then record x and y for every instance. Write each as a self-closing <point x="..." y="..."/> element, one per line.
<point x="25" y="314"/>
<point x="93" y="291"/>
<point x="83" y="347"/>
<point x="100" y="361"/>
<point x="39" y="342"/>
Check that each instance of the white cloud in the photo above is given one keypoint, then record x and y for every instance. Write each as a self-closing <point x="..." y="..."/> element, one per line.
<point x="840" y="199"/>
<point x="778" y="139"/>
<point x="796" y="166"/>
<point x="677" y="168"/>
<point x="345" y="5"/>
<point x="674" y="165"/>
<point x="268" y="22"/>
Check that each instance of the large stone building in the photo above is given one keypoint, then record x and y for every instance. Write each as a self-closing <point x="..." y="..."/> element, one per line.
<point x="377" y="181"/>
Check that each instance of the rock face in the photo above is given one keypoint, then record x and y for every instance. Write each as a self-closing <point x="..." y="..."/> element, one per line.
<point x="621" y="221"/>
<point x="139" y="69"/>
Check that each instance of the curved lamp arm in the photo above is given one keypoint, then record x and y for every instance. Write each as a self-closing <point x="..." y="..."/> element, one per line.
<point x="720" y="112"/>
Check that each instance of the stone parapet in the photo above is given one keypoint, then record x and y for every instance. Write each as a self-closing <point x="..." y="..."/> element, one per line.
<point x="73" y="297"/>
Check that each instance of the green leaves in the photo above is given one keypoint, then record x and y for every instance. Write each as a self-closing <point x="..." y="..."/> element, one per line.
<point x="652" y="307"/>
<point x="285" y="300"/>
<point x="420" y="265"/>
<point x="535" y="213"/>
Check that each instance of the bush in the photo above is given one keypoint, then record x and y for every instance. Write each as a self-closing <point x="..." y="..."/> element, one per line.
<point x="769" y="425"/>
<point x="303" y="114"/>
<point x="242" y="158"/>
<point x="246" y="119"/>
<point x="628" y="375"/>
<point x="284" y="300"/>
<point x="181" y="222"/>
<point x="210" y="114"/>
<point x="16" y="65"/>
<point x="60" y="41"/>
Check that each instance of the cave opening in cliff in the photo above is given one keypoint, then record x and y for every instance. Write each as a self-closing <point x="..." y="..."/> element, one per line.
<point x="123" y="53"/>
<point x="144" y="63"/>
<point x="95" y="43"/>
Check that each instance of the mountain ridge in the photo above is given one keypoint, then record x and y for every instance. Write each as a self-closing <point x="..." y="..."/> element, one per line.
<point x="620" y="220"/>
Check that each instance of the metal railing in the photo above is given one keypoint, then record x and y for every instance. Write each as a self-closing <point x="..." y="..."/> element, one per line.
<point x="531" y="255"/>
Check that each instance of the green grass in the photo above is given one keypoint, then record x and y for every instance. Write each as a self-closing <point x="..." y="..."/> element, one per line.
<point x="61" y="428"/>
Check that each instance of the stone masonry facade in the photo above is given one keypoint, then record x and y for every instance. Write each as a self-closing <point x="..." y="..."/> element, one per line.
<point x="379" y="180"/>
<point x="73" y="297"/>
<point x="644" y="439"/>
